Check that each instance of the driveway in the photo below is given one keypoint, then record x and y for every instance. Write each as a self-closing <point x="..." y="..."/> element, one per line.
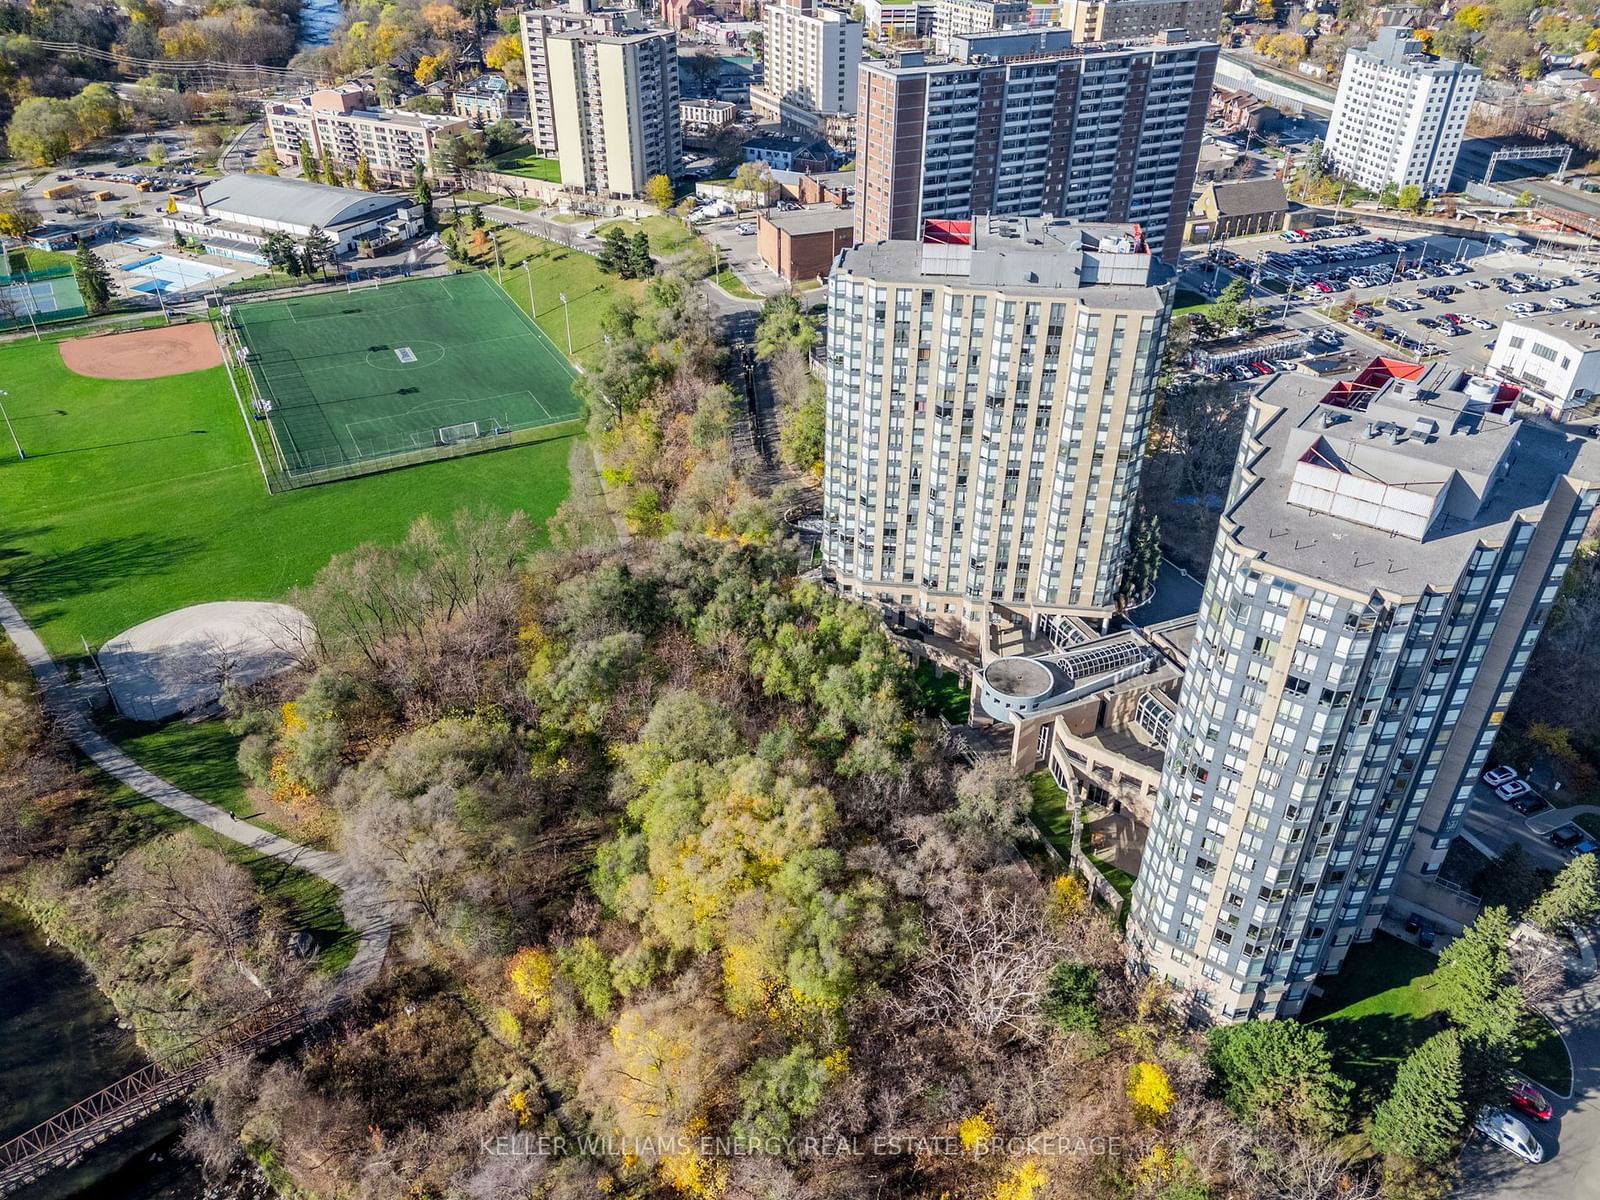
<point x="1571" y="1139"/>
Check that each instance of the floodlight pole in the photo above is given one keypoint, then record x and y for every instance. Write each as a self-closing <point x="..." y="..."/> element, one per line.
<point x="533" y="311"/>
<point x="21" y="457"/>
<point x="567" y="312"/>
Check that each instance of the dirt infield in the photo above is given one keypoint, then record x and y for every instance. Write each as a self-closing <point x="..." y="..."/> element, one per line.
<point x="145" y="353"/>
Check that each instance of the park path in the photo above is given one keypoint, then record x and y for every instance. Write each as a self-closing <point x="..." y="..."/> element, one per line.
<point x="365" y="907"/>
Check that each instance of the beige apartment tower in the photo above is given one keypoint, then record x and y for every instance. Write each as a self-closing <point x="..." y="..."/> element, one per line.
<point x="614" y="99"/>
<point x="989" y="391"/>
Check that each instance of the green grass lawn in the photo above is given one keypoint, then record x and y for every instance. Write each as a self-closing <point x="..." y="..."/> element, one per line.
<point x="1187" y="302"/>
<point x="524" y="161"/>
<point x="552" y="270"/>
<point x="943" y="695"/>
<point x="1115" y="875"/>
<point x="669" y="237"/>
<point x="1381" y="1006"/>
<point x="520" y="203"/>
<point x="733" y="285"/>
<point x="141" y="497"/>
<point x="1050" y="811"/>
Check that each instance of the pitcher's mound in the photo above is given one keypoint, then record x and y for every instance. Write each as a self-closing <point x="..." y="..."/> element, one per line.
<point x="180" y="661"/>
<point x="144" y="353"/>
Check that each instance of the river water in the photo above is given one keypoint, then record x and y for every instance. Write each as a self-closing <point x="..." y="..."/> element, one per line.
<point x="317" y="21"/>
<point x="59" y="1043"/>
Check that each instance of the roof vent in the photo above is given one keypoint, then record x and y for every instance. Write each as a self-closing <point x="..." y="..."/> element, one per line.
<point x="1396" y="434"/>
<point x="1373" y="429"/>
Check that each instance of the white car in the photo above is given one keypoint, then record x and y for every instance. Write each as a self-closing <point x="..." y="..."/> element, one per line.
<point x="1505" y="1131"/>
<point x="1476" y="285"/>
<point x="1560" y="304"/>
<point x="1495" y="776"/>
<point x="1514" y="790"/>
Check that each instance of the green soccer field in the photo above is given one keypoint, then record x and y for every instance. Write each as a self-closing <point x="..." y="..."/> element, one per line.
<point x="360" y="376"/>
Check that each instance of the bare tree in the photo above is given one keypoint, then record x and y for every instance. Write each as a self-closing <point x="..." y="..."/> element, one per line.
<point x="985" y="967"/>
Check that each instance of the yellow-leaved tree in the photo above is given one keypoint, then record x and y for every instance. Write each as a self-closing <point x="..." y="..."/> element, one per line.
<point x="1149" y="1091"/>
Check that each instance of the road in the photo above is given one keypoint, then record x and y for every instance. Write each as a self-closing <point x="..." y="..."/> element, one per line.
<point x="365" y="908"/>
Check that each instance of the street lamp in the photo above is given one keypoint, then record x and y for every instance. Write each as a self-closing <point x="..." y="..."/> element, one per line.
<point x="21" y="457"/>
<point x="527" y="270"/>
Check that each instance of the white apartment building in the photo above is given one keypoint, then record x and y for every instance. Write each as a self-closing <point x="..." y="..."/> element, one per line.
<point x="1555" y="357"/>
<point x="538" y="25"/>
<point x="1390" y="549"/>
<point x="1400" y="114"/>
<point x="957" y="18"/>
<point x="988" y="404"/>
<point x="811" y="55"/>
<point x="614" y="99"/>
<point x="337" y="122"/>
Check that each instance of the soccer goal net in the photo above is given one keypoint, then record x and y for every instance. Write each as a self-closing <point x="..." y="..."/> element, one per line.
<point x="449" y="435"/>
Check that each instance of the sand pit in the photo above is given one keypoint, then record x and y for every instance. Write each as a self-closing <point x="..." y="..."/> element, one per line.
<point x="178" y="662"/>
<point x="144" y="353"/>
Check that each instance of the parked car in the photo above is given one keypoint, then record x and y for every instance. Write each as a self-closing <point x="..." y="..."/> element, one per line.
<point x="1495" y="776"/>
<point x="1426" y="935"/>
<point x="1584" y="847"/>
<point x="1514" y="789"/>
<point x="1505" y="1131"/>
<point x="1414" y="924"/>
<point x="1477" y="285"/>
<point x="1530" y="1101"/>
<point x="1566" y="837"/>
<point x="1530" y="804"/>
<point x="1560" y="304"/>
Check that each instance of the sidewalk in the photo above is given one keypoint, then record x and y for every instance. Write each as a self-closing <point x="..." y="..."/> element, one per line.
<point x="365" y="908"/>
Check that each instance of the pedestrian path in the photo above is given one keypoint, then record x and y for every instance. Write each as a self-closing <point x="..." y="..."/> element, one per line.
<point x="366" y="909"/>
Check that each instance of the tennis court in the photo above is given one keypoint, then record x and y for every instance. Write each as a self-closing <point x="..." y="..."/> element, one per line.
<point x="410" y="367"/>
<point x="40" y="297"/>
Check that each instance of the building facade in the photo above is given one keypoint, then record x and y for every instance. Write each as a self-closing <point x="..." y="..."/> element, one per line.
<point x="538" y="26"/>
<point x="1381" y="576"/>
<point x="1554" y="357"/>
<point x="811" y="56"/>
<point x="1026" y="123"/>
<point x="1118" y="20"/>
<point x="1400" y="114"/>
<point x="484" y="100"/>
<point x="802" y="245"/>
<point x="988" y="403"/>
<point x="615" y="102"/>
<point x="232" y="217"/>
<point x="1239" y="208"/>
<point x="343" y="123"/>
<point x="958" y="18"/>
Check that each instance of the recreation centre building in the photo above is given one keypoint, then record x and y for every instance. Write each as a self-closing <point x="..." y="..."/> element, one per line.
<point x="233" y="216"/>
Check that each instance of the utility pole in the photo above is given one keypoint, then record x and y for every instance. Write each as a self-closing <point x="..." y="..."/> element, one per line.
<point x="21" y="457"/>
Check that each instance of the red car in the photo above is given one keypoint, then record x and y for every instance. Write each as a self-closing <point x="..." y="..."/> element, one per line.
<point x="1530" y="1101"/>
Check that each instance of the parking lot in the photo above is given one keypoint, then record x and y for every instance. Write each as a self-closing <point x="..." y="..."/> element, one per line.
<point x="1425" y="296"/>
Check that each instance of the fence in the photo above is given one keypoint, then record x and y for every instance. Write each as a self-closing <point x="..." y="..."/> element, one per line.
<point x="33" y="298"/>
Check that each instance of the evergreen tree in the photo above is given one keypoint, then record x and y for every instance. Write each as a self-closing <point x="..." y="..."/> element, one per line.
<point x="94" y="281"/>
<point x="1474" y="981"/>
<point x="474" y="217"/>
<point x="1144" y="558"/>
<point x="1424" y="1115"/>
<point x="330" y="169"/>
<point x="280" y="250"/>
<point x="422" y="193"/>
<point x="1508" y="880"/>
<point x="364" y="178"/>
<point x="1573" y="901"/>
<point x="311" y="169"/>
<point x="613" y="256"/>
<point x="639" y="263"/>
<point x="318" y="250"/>
<point x="1278" y="1071"/>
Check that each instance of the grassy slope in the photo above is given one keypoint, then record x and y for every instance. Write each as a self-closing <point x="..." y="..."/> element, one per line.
<point x="523" y="161"/>
<point x="669" y="237"/>
<point x="1382" y="1006"/>
<point x="943" y="695"/>
<point x="142" y="497"/>
<point x="555" y="269"/>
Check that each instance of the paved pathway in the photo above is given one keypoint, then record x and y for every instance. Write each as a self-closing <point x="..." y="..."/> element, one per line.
<point x="366" y="909"/>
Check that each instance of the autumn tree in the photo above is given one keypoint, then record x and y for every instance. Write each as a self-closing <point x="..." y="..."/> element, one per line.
<point x="659" y="191"/>
<point x="18" y="215"/>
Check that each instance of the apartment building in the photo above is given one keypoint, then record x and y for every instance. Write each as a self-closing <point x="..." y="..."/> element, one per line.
<point x="1119" y="20"/>
<point x="344" y="123"/>
<point x="957" y="18"/>
<point x="989" y="392"/>
<point x="538" y="26"/>
<point x="1553" y="356"/>
<point x="811" y="56"/>
<point x="1390" y="548"/>
<point x="1400" y="114"/>
<point x="1028" y="123"/>
<point x="615" y="101"/>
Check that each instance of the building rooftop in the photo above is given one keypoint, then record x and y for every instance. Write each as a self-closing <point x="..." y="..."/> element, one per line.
<point x="1037" y="255"/>
<point x="819" y="218"/>
<point x="302" y="107"/>
<point x="1576" y="327"/>
<point x="268" y="197"/>
<point x="1244" y="197"/>
<point x="1399" y="48"/>
<point x="998" y="46"/>
<point x="1386" y="482"/>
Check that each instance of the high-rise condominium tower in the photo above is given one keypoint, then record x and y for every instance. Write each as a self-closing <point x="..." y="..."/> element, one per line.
<point x="988" y="402"/>
<point x="1400" y="114"/>
<point x="811" y="57"/>
<point x="1389" y="551"/>
<point x="1025" y="123"/>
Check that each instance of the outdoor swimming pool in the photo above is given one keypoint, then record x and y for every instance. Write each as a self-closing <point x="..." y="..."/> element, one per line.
<point x="164" y="274"/>
<point x="144" y="242"/>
